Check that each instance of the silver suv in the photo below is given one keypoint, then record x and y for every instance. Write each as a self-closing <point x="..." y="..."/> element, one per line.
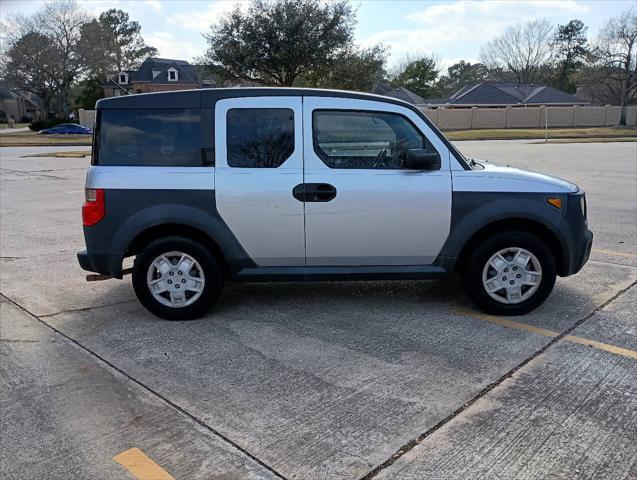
<point x="215" y="185"/>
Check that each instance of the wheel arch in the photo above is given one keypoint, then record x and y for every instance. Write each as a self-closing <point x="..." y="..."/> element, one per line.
<point x="204" y="226"/>
<point x="533" y="227"/>
<point x="149" y="234"/>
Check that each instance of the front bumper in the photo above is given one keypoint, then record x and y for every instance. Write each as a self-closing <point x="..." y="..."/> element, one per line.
<point x="580" y="256"/>
<point x="579" y="239"/>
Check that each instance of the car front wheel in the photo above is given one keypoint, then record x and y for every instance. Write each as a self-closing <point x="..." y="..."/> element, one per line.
<point x="177" y="278"/>
<point x="511" y="273"/>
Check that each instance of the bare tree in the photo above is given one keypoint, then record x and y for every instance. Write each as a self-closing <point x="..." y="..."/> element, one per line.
<point x="40" y="50"/>
<point x="522" y="49"/>
<point x="615" y="52"/>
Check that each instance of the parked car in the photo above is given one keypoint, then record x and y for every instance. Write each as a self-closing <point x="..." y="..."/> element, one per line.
<point x="250" y="185"/>
<point x="67" y="129"/>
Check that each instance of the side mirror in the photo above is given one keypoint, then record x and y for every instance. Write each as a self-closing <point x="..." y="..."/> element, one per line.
<point x="418" y="159"/>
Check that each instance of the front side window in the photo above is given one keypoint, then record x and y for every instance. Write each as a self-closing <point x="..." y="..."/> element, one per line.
<point x="153" y="137"/>
<point x="364" y="139"/>
<point x="259" y="137"/>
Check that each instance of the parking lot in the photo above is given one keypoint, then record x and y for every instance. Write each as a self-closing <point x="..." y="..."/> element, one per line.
<point x="391" y="380"/>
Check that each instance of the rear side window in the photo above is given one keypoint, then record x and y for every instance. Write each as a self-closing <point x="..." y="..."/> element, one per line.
<point x="153" y="137"/>
<point x="259" y="137"/>
<point x="364" y="139"/>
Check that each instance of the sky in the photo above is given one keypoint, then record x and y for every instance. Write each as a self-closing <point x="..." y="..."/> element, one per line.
<point x="450" y="30"/>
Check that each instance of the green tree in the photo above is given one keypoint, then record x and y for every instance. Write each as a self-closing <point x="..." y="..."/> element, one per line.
<point x="357" y="70"/>
<point x="460" y="75"/>
<point x="569" y="43"/>
<point x="33" y="64"/>
<point x="419" y="76"/>
<point x="90" y="92"/>
<point x="113" y="42"/>
<point x="276" y="43"/>
<point x="110" y="43"/>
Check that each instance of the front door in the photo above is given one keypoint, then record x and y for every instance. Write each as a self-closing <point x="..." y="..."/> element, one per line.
<point x="364" y="207"/>
<point x="259" y="161"/>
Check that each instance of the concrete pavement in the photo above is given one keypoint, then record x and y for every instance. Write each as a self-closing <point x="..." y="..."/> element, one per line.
<point x="327" y="380"/>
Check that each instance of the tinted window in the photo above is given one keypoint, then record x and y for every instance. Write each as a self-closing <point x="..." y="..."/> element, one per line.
<point x="158" y="137"/>
<point x="259" y="137"/>
<point x="373" y="140"/>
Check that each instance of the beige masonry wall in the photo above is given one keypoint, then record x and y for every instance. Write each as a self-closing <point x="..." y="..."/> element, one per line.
<point x="448" y="120"/>
<point x="530" y="117"/>
<point x="488" y="116"/>
<point x="560" y="117"/>
<point x="484" y="118"/>
<point x="524" y="117"/>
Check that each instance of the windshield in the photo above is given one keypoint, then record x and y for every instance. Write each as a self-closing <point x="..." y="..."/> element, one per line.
<point x="452" y="148"/>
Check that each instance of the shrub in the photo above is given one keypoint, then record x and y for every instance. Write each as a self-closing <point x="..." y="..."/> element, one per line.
<point x="48" y="123"/>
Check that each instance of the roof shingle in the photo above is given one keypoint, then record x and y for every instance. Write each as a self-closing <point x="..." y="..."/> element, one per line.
<point x="508" y="93"/>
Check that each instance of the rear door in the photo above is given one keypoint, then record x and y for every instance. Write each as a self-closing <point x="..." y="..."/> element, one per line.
<point x="364" y="207"/>
<point x="259" y="161"/>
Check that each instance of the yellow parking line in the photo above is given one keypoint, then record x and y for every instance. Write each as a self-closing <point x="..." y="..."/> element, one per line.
<point x="602" y="346"/>
<point x="505" y="322"/>
<point x="141" y="466"/>
<point x="613" y="252"/>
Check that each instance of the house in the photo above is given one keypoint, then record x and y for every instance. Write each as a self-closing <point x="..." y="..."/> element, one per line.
<point x="505" y="94"/>
<point x="156" y="75"/>
<point x="401" y="93"/>
<point x="20" y="106"/>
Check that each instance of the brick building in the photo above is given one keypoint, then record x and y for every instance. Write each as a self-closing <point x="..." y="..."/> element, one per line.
<point x="156" y="75"/>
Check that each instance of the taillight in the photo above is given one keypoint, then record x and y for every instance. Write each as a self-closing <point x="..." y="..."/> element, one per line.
<point x="93" y="209"/>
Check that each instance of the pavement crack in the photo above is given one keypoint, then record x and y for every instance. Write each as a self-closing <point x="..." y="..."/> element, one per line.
<point x="83" y="309"/>
<point x="26" y="257"/>
<point x="10" y="340"/>
<point x="24" y="173"/>
<point x="419" y="439"/>
<point x="588" y="177"/>
<point x="612" y="263"/>
<point x="146" y="388"/>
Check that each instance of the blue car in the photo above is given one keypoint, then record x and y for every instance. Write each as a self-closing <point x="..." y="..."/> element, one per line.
<point x="67" y="128"/>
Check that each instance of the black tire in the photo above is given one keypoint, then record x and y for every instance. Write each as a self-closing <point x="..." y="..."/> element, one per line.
<point x="472" y="272"/>
<point x="213" y="284"/>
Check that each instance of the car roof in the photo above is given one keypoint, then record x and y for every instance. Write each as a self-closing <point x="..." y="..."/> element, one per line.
<point x="207" y="97"/>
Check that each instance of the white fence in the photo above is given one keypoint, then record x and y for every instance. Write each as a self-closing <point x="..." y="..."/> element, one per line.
<point x="87" y="118"/>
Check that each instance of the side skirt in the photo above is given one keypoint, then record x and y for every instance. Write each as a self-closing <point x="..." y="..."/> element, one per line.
<point x="309" y="274"/>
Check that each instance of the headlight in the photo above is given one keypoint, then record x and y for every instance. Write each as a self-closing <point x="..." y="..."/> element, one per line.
<point x="583" y="205"/>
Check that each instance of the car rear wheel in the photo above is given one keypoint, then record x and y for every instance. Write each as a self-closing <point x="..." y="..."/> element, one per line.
<point x="177" y="278"/>
<point x="511" y="273"/>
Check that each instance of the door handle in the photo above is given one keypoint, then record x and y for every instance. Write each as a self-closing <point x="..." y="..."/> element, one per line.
<point x="314" y="192"/>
